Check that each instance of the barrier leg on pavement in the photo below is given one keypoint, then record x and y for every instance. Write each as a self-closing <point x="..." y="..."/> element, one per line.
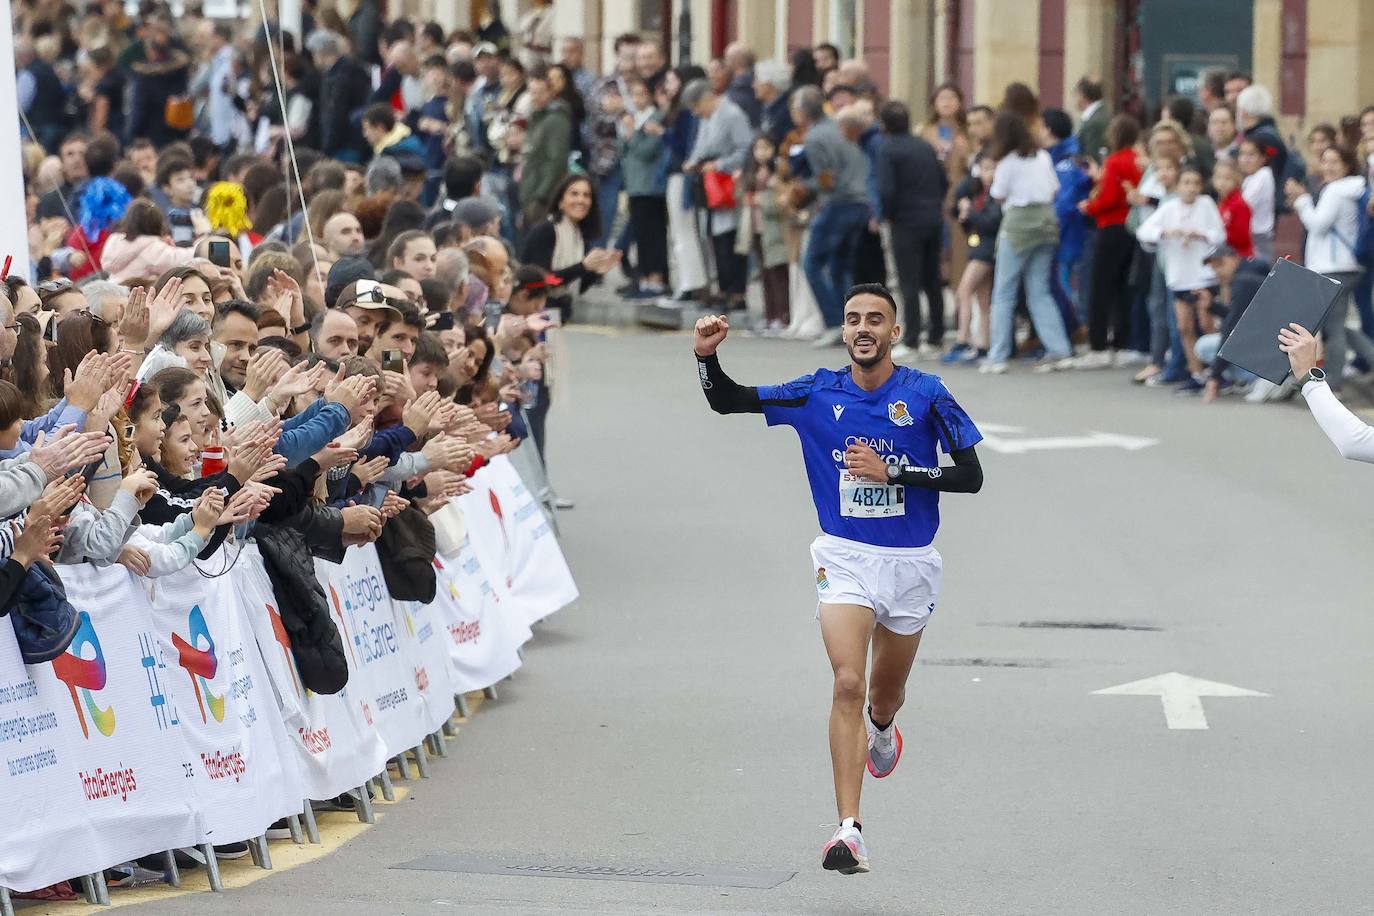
<point x="365" y="813"/>
<point x="402" y="767"/>
<point x="312" y="829"/>
<point x="421" y="762"/>
<point x="489" y="692"/>
<point x="211" y="867"/>
<point x="173" y="871"/>
<point x="462" y="701"/>
<point x="293" y="823"/>
<point x="438" y="739"/>
<point x="6" y="907"/>
<point x="93" y="886"/>
<point x="448" y="730"/>
<point x="257" y="848"/>
<point x="388" y="790"/>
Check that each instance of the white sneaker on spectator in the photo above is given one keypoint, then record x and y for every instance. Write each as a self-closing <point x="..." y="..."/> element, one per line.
<point x="830" y="337"/>
<point x="988" y="367"/>
<point x="1128" y="359"/>
<point x="901" y="352"/>
<point x="1094" y="359"/>
<point x="1261" y="391"/>
<point x="1051" y="364"/>
<point x="929" y="351"/>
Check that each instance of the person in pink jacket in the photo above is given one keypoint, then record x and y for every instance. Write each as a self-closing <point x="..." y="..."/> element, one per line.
<point x="142" y="246"/>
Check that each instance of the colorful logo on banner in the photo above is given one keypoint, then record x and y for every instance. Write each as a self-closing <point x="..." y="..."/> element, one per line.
<point x="85" y="675"/>
<point x="283" y="640"/>
<point x="505" y="538"/>
<point x="343" y="624"/>
<point x="200" y="664"/>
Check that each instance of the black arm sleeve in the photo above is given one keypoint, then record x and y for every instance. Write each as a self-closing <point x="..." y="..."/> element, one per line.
<point x="722" y="392"/>
<point x="966" y="476"/>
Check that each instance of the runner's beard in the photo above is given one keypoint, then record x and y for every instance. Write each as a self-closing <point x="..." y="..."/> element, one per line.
<point x="880" y="350"/>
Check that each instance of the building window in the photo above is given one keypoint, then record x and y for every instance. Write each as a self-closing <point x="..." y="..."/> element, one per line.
<point x="1293" y="58"/>
<point x="844" y="27"/>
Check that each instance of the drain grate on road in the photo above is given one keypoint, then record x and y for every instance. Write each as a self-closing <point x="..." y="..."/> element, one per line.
<point x="1087" y="625"/>
<point x="988" y="662"/>
<point x="529" y="868"/>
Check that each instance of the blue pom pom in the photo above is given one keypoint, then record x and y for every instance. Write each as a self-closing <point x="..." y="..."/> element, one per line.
<point x="102" y="204"/>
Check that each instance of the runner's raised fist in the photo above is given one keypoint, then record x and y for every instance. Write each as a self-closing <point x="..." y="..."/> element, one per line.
<point x="711" y="332"/>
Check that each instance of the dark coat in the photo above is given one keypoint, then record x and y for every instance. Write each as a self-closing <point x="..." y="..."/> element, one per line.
<point x="344" y="88"/>
<point x="911" y="182"/>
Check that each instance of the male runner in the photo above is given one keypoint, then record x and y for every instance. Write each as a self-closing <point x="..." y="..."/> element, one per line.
<point x="869" y="434"/>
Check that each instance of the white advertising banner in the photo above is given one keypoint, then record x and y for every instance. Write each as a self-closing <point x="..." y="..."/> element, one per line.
<point x="383" y="679"/>
<point x="87" y="779"/>
<point x="334" y="747"/>
<point x="483" y="641"/>
<point x="229" y="719"/>
<point x="515" y="544"/>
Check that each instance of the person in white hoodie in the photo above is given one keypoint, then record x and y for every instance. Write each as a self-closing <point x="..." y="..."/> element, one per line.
<point x="1333" y="224"/>
<point x="1185" y="229"/>
<point x="142" y="247"/>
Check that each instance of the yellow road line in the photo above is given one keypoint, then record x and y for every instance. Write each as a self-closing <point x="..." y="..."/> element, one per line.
<point x="336" y="829"/>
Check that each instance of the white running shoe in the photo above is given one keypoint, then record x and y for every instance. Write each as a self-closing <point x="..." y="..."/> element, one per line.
<point x="901" y="351"/>
<point x="846" y="853"/>
<point x="929" y="351"/>
<point x="988" y="367"/>
<point x="1094" y="359"/>
<point x="884" y="748"/>
<point x="1261" y="391"/>
<point x="1053" y="364"/>
<point x="1129" y="359"/>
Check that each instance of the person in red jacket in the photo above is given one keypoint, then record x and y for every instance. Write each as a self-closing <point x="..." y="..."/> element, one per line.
<point x="1109" y="300"/>
<point x="1235" y="212"/>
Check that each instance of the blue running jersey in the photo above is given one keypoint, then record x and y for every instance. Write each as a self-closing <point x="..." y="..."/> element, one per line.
<point x="903" y="421"/>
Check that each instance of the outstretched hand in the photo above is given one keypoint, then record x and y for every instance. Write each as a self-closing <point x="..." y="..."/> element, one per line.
<point x="710" y="334"/>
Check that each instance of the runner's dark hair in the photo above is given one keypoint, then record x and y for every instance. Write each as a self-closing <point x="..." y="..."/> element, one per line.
<point x="871" y="289"/>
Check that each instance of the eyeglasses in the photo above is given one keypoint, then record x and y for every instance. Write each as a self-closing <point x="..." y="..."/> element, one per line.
<point x="375" y="294"/>
<point x="87" y="313"/>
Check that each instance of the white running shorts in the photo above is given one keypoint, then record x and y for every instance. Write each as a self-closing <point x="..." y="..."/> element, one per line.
<point x="899" y="584"/>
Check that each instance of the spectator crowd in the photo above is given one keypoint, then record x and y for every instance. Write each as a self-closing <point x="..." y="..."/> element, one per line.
<point x="309" y="282"/>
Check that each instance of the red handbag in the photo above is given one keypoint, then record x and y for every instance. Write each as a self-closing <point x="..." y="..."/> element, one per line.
<point x="720" y="190"/>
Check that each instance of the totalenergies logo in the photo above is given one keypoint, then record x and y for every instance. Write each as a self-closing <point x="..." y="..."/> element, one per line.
<point x="200" y="664"/>
<point x="85" y="674"/>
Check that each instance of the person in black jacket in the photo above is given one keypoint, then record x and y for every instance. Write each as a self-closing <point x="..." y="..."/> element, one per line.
<point x="159" y="70"/>
<point x="981" y="217"/>
<point x="345" y="87"/>
<point x="911" y="187"/>
<point x="1239" y="279"/>
<point x="574" y="217"/>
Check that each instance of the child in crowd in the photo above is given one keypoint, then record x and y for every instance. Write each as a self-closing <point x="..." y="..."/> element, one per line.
<point x="761" y="219"/>
<point x="644" y="166"/>
<point x="1157" y="185"/>
<point x="1235" y="212"/>
<point x="981" y="217"/>
<point x="1258" y="189"/>
<point x="1186" y="228"/>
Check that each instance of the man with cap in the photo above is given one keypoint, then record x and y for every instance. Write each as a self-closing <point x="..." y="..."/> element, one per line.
<point x="474" y="216"/>
<point x="370" y="304"/>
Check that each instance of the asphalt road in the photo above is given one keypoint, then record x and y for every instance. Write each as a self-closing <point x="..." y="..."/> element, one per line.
<point x="675" y="719"/>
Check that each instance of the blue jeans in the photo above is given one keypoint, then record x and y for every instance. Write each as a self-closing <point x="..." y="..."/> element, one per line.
<point x="829" y="258"/>
<point x="1206" y="350"/>
<point x="1009" y="270"/>
<point x="607" y="201"/>
<point x="1061" y="285"/>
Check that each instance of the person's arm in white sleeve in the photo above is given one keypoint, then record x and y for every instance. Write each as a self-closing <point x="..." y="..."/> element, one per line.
<point x="166" y="557"/>
<point x="1353" y="438"/>
<point x="408" y="465"/>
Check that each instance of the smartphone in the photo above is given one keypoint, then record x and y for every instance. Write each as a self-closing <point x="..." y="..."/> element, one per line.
<point x="491" y="312"/>
<point x="391" y="361"/>
<point x="376" y="496"/>
<point x="219" y="253"/>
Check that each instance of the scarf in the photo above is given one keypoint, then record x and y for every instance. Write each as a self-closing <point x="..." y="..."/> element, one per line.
<point x="569" y="248"/>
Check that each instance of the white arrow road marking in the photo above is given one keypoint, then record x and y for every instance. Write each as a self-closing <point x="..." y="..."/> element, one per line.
<point x="1181" y="696"/>
<point x="1092" y="440"/>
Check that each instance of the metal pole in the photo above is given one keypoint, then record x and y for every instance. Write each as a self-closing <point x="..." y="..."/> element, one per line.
<point x="402" y="767"/>
<point x="421" y="762"/>
<point x="365" y="813"/>
<point x="173" y="870"/>
<point x="312" y="829"/>
<point x="461" y="700"/>
<point x="439" y="746"/>
<point x="263" y="857"/>
<point x="388" y="790"/>
<point x="489" y="692"/>
<point x="6" y="907"/>
<point x="294" y="824"/>
<point x="212" y="867"/>
<point x="12" y="210"/>
<point x="88" y="888"/>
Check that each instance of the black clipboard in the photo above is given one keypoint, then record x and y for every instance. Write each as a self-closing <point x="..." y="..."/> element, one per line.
<point x="1290" y="294"/>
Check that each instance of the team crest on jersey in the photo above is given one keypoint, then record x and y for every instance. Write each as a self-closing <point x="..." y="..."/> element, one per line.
<point x="821" y="580"/>
<point x="897" y="413"/>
